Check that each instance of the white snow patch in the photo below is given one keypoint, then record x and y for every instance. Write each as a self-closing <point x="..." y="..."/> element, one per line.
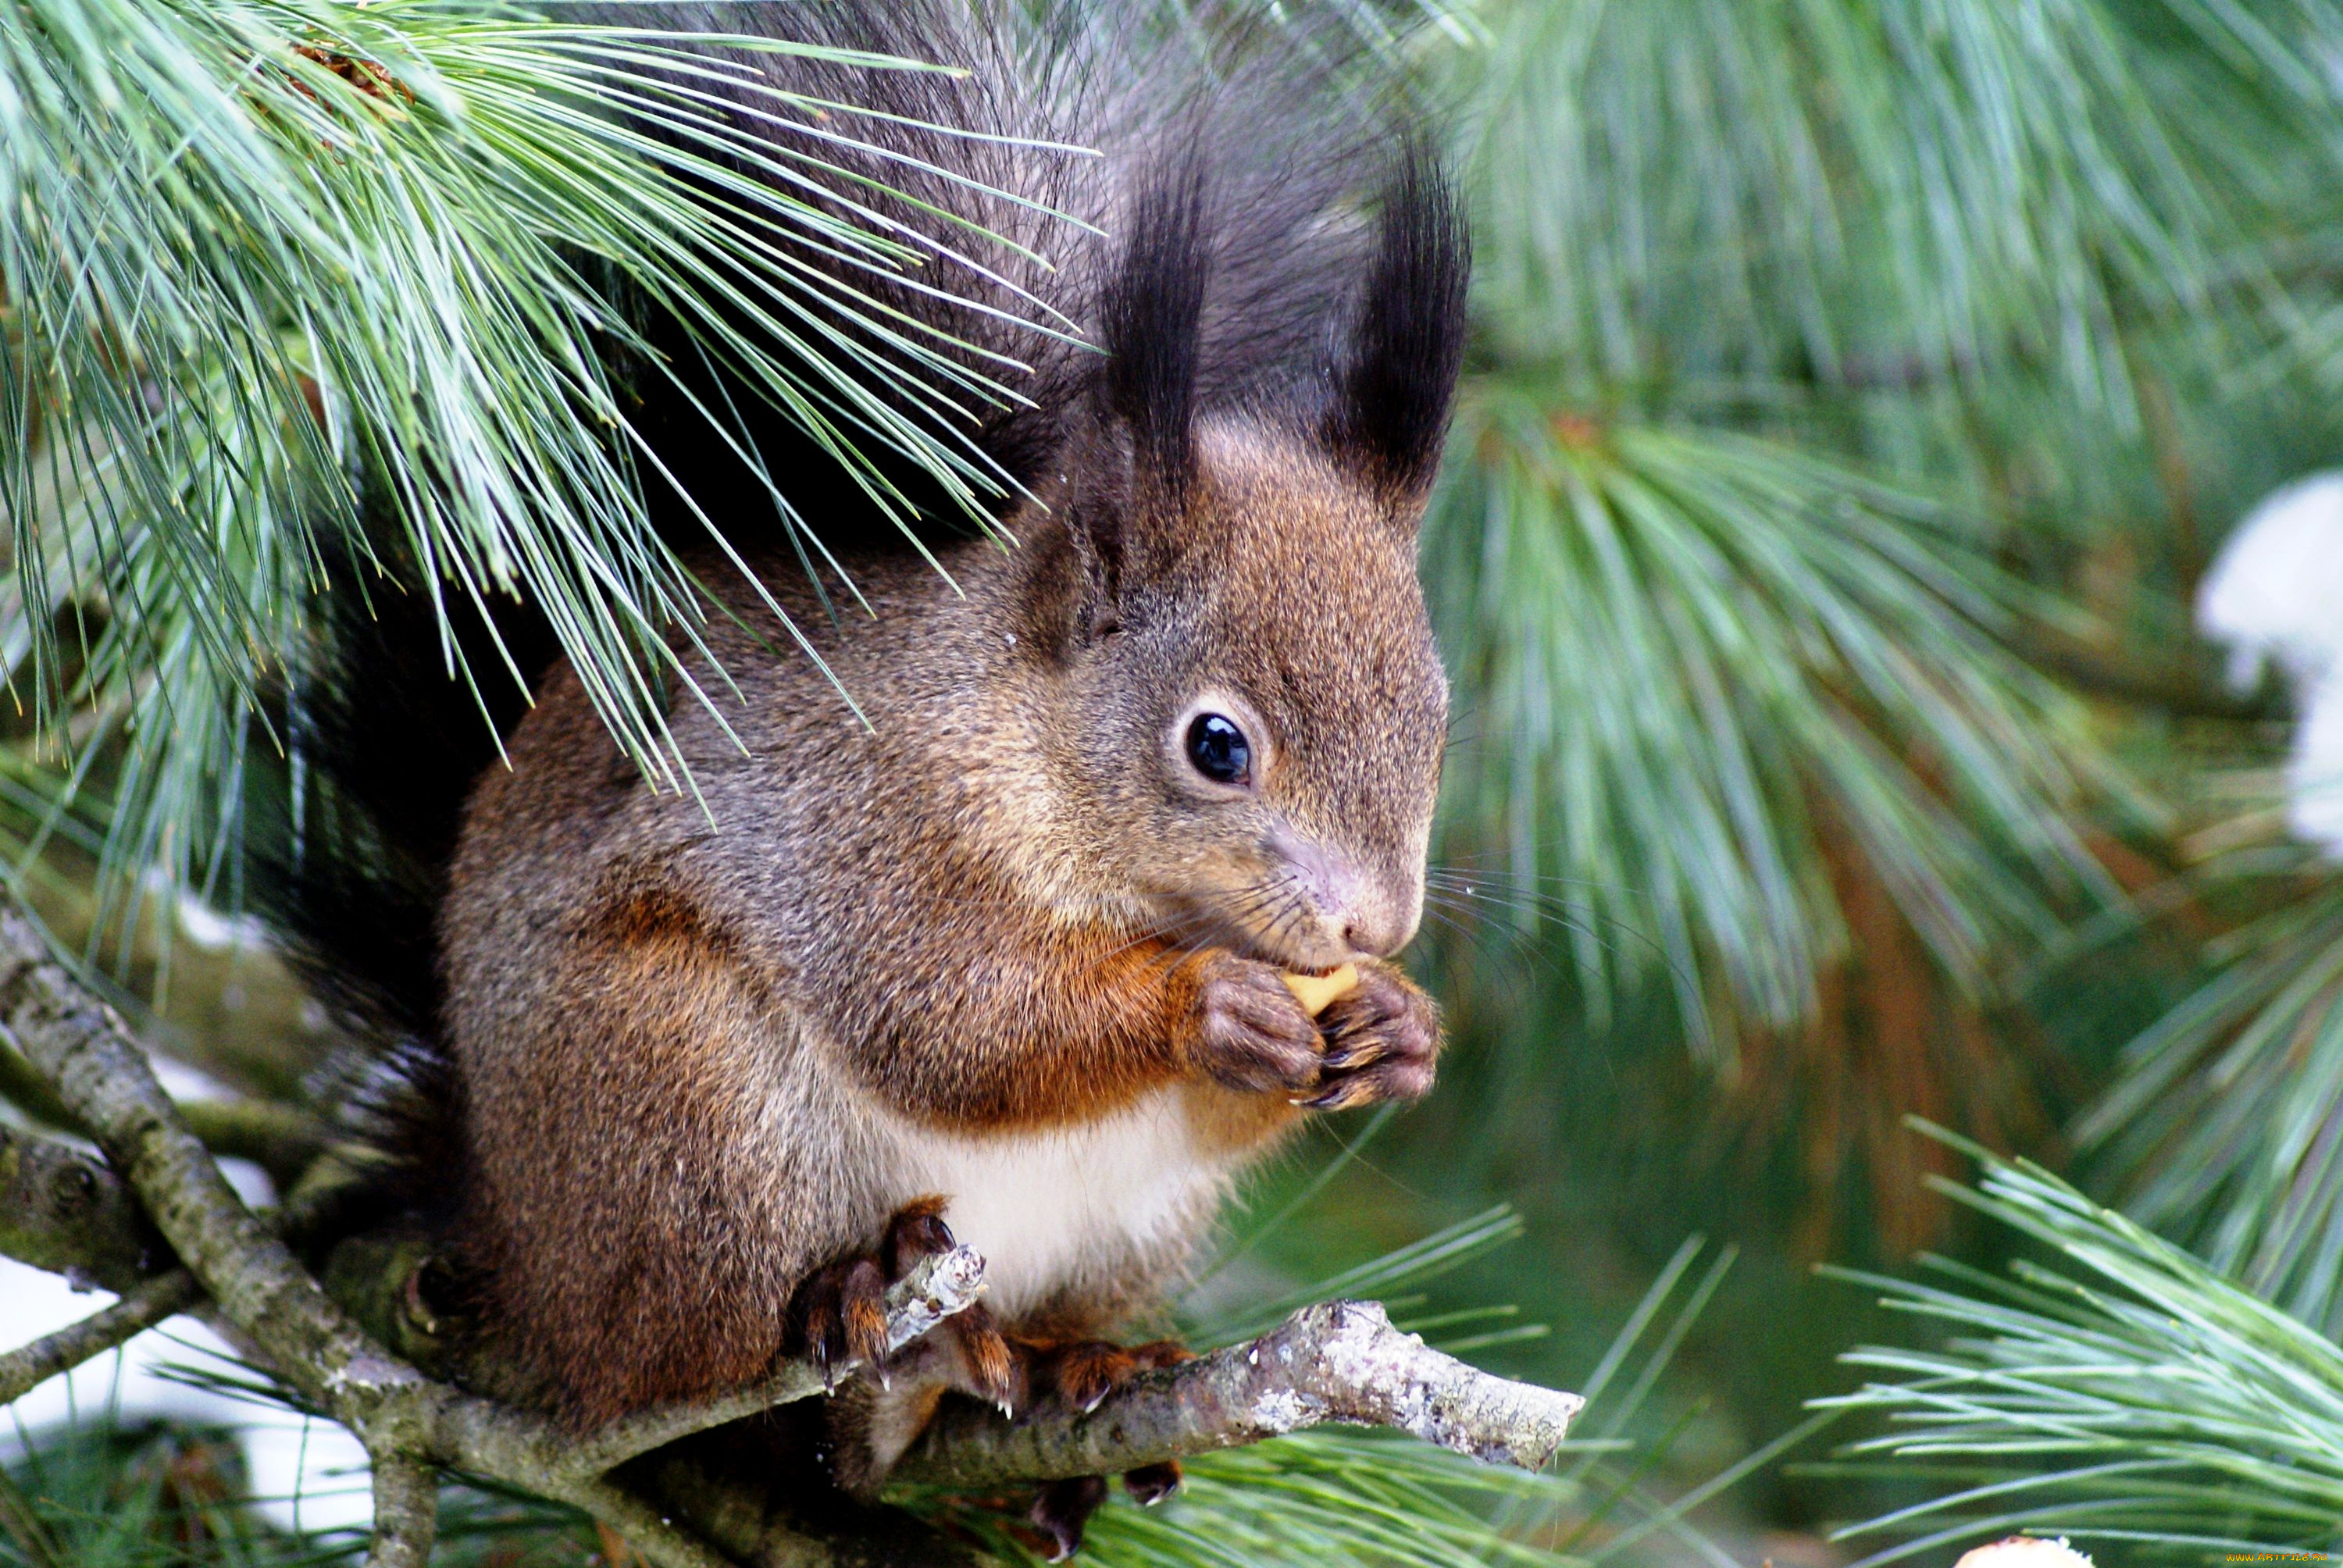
<point x="306" y="1475"/>
<point x="2023" y="1552"/>
<point x="2275" y="596"/>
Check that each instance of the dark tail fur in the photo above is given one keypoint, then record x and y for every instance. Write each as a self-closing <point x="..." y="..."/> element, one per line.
<point x="1277" y="186"/>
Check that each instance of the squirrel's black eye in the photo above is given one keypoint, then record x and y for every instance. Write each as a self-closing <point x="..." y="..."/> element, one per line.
<point x="1220" y="749"/>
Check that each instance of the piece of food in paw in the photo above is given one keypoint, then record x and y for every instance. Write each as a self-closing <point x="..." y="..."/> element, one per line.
<point x="1316" y="993"/>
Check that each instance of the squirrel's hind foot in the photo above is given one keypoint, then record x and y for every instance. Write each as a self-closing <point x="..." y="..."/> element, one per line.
<point x="838" y="1316"/>
<point x="1061" y="1510"/>
<point x="1079" y="1374"/>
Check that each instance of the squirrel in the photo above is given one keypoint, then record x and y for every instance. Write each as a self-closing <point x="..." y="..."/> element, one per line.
<point x="999" y="952"/>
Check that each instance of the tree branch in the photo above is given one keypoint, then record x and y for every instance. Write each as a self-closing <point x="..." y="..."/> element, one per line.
<point x="103" y="1078"/>
<point x="935" y="1289"/>
<point x="22" y="1086"/>
<point x="652" y="1533"/>
<point x="773" y="1526"/>
<point x="282" y="1139"/>
<point x="406" y="1513"/>
<point x="2190" y="687"/>
<point x="164" y="1296"/>
<point x="1337" y="1362"/>
<point x="92" y="1229"/>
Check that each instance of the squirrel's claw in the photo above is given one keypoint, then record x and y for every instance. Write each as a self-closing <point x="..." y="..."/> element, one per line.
<point x="1345" y="1096"/>
<point x="1151" y="1483"/>
<point x="988" y="1370"/>
<point x="838" y="1314"/>
<point x="1086" y="1373"/>
<point x="1083" y="1373"/>
<point x="917" y="1230"/>
<point x="1382" y="1041"/>
<point x="1061" y="1508"/>
<point x="840" y="1317"/>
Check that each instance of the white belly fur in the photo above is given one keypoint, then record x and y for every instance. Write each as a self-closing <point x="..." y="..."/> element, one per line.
<point x="1056" y="1208"/>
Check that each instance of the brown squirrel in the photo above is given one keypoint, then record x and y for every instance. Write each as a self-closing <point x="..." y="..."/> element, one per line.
<point x="1001" y="958"/>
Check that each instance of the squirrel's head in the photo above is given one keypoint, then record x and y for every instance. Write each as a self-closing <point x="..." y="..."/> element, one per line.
<point x="1229" y="596"/>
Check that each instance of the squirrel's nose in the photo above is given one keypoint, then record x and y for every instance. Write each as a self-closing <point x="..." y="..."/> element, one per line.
<point x="1375" y="920"/>
<point x="1360" y="910"/>
<point x="1378" y="933"/>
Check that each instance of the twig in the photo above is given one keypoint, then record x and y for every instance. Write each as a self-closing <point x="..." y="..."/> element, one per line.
<point x="123" y="1245"/>
<point x="933" y="1291"/>
<point x="1338" y="1362"/>
<point x="282" y="1139"/>
<point x="406" y="1513"/>
<point x="22" y="1086"/>
<point x="2191" y="689"/>
<point x="23" y="1370"/>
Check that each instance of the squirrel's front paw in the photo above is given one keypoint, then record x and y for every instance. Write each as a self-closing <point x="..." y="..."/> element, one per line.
<point x="839" y="1313"/>
<point x="1382" y="1038"/>
<point x="1250" y="1033"/>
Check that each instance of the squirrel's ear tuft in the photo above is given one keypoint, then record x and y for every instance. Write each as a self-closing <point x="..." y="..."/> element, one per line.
<point x="1393" y="386"/>
<point x="1151" y="319"/>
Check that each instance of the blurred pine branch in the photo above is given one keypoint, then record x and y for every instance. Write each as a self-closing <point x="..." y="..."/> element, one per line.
<point x="2123" y="1390"/>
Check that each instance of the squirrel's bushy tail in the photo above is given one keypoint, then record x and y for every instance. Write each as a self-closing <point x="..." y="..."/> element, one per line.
<point x="382" y="746"/>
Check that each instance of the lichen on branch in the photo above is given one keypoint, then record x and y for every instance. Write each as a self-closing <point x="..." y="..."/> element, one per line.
<point x="1336" y="1362"/>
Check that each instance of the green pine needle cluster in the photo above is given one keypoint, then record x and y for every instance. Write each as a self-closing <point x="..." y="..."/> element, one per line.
<point x="1697" y="651"/>
<point x="2116" y="1390"/>
<point x="2230" y="1109"/>
<point x="266" y="264"/>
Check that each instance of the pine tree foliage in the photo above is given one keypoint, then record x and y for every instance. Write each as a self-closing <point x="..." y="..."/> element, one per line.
<point x="1825" y="351"/>
<point x="1857" y="390"/>
<point x="1776" y="635"/>
<point x="269" y="264"/>
<point x="2226" y="1119"/>
<point x="2121" y="1391"/>
<point x="1956" y="243"/>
